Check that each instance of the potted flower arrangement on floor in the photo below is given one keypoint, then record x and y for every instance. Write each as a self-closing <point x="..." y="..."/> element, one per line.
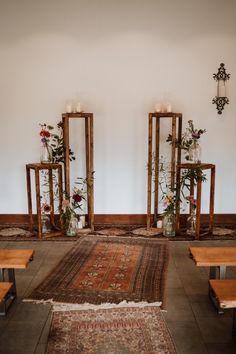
<point x="70" y="205"/>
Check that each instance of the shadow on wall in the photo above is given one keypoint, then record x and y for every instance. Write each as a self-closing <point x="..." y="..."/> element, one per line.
<point x="90" y="20"/>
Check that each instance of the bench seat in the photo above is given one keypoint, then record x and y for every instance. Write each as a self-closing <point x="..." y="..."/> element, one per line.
<point x="224" y="292"/>
<point x="5" y="287"/>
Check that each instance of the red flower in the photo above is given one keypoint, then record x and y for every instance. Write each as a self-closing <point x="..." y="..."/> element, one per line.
<point x="77" y="198"/>
<point x="45" y="134"/>
<point x="46" y="208"/>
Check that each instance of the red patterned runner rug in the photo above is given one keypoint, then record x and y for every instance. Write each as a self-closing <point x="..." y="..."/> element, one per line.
<point x="107" y="270"/>
<point x="118" y="331"/>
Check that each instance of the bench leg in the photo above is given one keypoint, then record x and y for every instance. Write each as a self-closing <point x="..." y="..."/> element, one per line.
<point x="12" y="293"/>
<point x="214" y="301"/>
<point x="234" y="325"/>
<point x="217" y="272"/>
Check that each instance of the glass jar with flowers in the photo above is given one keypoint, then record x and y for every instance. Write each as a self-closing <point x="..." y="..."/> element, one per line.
<point x="194" y="151"/>
<point x="168" y="197"/>
<point x="69" y="216"/>
<point x="191" y="220"/>
<point x="45" y="220"/>
<point x="169" y="205"/>
<point x="190" y="142"/>
<point x="46" y="149"/>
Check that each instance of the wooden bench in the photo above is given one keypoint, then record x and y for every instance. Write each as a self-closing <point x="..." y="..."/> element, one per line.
<point x="11" y="259"/>
<point x="5" y="294"/>
<point x="224" y="292"/>
<point x="217" y="258"/>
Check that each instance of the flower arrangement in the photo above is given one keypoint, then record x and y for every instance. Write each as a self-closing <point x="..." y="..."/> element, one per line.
<point x="53" y="149"/>
<point x="169" y="202"/>
<point x="72" y="203"/>
<point x="192" y="201"/>
<point x="58" y="146"/>
<point x="46" y="150"/>
<point x="45" y="209"/>
<point x="188" y="140"/>
<point x="168" y="192"/>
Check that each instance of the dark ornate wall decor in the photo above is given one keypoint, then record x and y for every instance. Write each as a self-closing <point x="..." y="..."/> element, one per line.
<point x="221" y="98"/>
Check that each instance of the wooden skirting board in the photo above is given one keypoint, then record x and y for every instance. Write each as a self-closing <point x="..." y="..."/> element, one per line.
<point x="118" y="219"/>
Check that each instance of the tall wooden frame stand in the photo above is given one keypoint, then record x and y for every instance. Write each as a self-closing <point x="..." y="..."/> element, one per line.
<point x="154" y="120"/>
<point x="88" y="117"/>
<point x="199" y="168"/>
<point x="50" y="168"/>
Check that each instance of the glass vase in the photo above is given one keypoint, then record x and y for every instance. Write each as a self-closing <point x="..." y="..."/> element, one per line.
<point x="169" y="225"/>
<point x="45" y="153"/>
<point x="195" y="152"/>
<point x="46" y="225"/>
<point x="71" y="227"/>
<point x="191" y="223"/>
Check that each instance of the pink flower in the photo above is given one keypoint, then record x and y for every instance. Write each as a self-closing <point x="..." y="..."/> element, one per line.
<point x="65" y="203"/>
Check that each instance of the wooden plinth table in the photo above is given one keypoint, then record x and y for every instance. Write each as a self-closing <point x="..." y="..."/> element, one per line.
<point x="88" y="119"/>
<point x="198" y="170"/>
<point x="154" y="121"/>
<point x="217" y="258"/>
<point x="11" y="259"/>
<point x="50" y="168"/>
<point x="224" y="293"/>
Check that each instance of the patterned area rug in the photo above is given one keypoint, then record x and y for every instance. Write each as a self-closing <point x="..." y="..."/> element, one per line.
<point x="110" y="331"/>
<point x="108" y="270"/>
<point x="219" y="233"/>
<point x="16" y="233"/>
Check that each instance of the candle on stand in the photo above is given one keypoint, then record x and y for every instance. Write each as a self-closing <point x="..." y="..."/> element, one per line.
<point x="80" y="224"/>
<point x="159" y="224"/>
<point x="82" y="219"/>
<point x="221" y="92"/>
<point x="158" y="107"/>
<point x="163" y="108"/>
<point x="78" y="107"/>
<point x="169" y="108"/>
<point x="69" y="107"/>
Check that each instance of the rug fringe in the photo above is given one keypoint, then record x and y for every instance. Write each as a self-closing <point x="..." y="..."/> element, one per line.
<point x="62" y="306"/>
<point x="87" y="306"/>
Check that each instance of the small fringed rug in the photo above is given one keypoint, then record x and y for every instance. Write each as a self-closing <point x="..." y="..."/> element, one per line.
<point x="101" y="269"/>
<point x="118" y="331"/>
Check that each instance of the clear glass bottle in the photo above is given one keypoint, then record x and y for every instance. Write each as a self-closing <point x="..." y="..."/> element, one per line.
<point x="45" y="153"/>
<point x="169" y="224"/>
<point x="191" y="223"/>
<point x="46" y="225"/>
<point x="71" y="229"/>
<point x="195" y="152"/>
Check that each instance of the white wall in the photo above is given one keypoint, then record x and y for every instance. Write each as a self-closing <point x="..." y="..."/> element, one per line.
<point x="118" y="58"/>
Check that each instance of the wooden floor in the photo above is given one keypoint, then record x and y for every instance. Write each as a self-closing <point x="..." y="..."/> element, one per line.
<point x="195" y="326"/>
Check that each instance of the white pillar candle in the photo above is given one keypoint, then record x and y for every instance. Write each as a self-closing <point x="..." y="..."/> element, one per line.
<point x="80" y="224"/>
<point x="158" y="107"/>
<point x="69" y="107"/>
<point x="221" y="92"/>
<point x="82" y="219"/>
<point x="78" y="107"/>
<point x="163" y="108"/>
<point x="159" y="224"/>
<point x="169" y="108"/>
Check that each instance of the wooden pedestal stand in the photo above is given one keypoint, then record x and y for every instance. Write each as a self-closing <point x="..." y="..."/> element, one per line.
<point x="88" y="117"/>
<point x="199" y="167"/>
<point x="176" y="134"/>
<point x="50" y="167"/>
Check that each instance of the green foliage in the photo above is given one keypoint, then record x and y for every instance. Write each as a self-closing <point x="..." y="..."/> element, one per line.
<point x="57" y="145"/>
